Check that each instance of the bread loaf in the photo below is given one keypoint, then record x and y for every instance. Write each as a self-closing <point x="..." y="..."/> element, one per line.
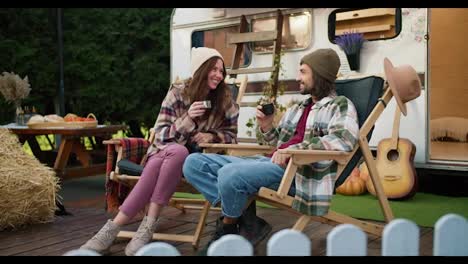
<point x="53" y="118"/>
<point x="36" y="119"/>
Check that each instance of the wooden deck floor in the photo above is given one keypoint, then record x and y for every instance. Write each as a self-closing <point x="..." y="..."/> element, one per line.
<point x="69" y="232"/>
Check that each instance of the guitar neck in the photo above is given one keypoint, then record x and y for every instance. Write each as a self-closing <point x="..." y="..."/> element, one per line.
<point x="396" y="129"/>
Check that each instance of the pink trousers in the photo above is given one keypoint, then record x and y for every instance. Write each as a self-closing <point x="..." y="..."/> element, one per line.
<point x="158" y="181"/>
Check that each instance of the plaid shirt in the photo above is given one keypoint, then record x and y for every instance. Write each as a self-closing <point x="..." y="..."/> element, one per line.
<point x="331" y="125"/>
<point x="175" y="126"/>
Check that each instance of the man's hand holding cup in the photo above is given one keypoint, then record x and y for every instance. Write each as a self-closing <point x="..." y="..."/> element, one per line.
<point x="265" y="115"/>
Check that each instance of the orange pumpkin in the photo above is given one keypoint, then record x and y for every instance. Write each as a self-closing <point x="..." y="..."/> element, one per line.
<point x="354" y="184"/>
<point x="364" y="174"/>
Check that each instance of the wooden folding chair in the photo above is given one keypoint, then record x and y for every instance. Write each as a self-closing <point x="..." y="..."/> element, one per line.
<point x="238" y="87"/>
<point x="370" y="97"/>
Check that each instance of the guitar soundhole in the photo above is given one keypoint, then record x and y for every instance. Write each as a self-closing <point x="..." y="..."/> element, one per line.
<point x="392" y="155"/>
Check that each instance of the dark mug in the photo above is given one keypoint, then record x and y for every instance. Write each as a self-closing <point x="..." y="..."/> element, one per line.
<point x="268" y="109"/>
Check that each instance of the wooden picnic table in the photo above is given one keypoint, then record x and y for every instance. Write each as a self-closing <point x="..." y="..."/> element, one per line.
<point x="70" y="142"/>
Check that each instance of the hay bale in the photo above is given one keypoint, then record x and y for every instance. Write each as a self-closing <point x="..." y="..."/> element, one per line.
<point x="27" y="187"/>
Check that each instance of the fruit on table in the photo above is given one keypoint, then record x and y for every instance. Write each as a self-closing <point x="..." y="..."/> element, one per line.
<point x="75" y="118"/>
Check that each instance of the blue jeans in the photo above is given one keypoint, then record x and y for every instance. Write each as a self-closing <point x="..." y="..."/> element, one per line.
<point x="230" y="180"/>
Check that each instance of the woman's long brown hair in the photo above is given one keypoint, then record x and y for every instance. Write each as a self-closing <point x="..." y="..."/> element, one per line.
<point x="197" y="90"/>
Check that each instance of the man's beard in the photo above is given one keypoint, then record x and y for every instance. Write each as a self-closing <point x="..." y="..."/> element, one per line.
<point x="308" y="90"/>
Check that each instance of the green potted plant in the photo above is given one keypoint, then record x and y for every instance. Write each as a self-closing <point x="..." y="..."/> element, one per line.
<point x="351" y="43"/>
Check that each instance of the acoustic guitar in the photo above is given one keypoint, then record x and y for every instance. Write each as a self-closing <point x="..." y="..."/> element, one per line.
<point x="395" y="165"/>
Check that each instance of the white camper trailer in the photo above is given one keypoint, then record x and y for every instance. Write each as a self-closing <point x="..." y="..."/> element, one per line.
<point x="430" y="40"/>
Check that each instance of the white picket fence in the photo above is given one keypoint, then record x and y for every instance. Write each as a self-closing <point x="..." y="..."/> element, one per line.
<point x="400" y="238"/>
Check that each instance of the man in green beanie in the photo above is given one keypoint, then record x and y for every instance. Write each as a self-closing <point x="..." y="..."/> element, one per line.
<point x="323" y="121"/>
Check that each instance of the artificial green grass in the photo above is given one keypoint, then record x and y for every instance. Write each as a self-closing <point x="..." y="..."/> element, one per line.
<point x="424" y="209"/>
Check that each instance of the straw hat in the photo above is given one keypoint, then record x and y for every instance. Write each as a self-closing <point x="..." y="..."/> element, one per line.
<point x="404" y="82"/>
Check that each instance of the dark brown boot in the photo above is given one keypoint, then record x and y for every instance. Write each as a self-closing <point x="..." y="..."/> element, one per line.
<point x="252" y="227"/>
<point x="221" y="230"/>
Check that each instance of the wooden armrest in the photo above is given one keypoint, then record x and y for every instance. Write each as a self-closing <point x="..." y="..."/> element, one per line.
<point x="237" y="149"/>
<point x="117" y="147"/>
<point x="235" y="146"/>
<point x="302" y="157"/>
<point x="111" y="142"/>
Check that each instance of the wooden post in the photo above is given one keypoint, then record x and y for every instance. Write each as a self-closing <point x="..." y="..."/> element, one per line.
<point x="396" y="129"/>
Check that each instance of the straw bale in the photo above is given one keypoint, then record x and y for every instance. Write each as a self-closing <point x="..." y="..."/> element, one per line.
<point x="27" y="187"/>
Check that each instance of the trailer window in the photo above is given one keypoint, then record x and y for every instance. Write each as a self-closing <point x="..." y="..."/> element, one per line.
<point x="217" y="39"/>
<point x="374" y="23"/>
<point x="297" y="31"/>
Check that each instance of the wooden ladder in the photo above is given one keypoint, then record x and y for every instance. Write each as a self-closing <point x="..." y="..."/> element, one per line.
<point x="245" y="37"/>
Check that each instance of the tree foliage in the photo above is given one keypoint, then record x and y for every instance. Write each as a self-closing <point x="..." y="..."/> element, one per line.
<point x="28" y="45"/>
<point x="116" y="61"/>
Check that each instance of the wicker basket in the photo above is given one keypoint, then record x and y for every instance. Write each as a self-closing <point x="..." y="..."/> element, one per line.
<point x="74" y="124"/>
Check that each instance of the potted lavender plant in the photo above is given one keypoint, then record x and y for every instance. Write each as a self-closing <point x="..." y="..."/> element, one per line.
<point x="351" y="44"/>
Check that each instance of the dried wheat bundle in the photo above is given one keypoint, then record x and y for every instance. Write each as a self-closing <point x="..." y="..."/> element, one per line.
<point x="449" y="127"/>
<point x="13" y="87"/>
<point x="27" y="187"/>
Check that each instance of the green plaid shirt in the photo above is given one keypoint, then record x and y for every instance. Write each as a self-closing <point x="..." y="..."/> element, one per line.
<point x="332" y="124"/>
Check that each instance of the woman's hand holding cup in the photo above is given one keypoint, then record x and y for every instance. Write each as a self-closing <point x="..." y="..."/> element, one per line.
<point x="196" y="109"/>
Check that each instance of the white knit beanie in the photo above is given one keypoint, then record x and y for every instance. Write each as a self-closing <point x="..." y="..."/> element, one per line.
<point x="202" y="54"/>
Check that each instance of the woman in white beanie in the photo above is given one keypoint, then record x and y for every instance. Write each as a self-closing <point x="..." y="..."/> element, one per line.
<point x="185" y="120"/>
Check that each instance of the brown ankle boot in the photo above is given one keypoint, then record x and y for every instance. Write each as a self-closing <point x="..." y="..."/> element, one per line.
<point x="221" y="230"/>
<point x="143" y="235"/>
<point x="252" y="227"/>
<point x="102" y="241"/>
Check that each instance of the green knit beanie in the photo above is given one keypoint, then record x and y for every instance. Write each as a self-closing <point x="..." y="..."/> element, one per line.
<point x="325" y="62"/>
